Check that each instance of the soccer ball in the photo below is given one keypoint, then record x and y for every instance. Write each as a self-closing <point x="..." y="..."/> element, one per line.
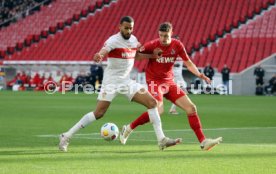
<point x="109" y="131"/>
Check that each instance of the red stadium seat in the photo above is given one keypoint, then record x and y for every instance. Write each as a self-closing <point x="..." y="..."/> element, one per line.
<point x="10" y="50"/>
<point x="19" y="45"/>
<point x="60" y="25"/>
<point x="36" y="38"/>
<point x="91" y="8"/>
<point x="52" y="29"/>
<point x="99" y="4"/>
<point x="44" y="33"/>
<point x="2" y="54"/>
<point x="69" y="21"/>
<point x="84" y="13"/>
<point x="76" y="17"/>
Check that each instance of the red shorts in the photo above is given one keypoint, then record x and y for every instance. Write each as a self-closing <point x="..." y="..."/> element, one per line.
<point x="169" y="90"/>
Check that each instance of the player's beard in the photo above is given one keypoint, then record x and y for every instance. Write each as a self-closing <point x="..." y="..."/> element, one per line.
<point x="126" y="37"/>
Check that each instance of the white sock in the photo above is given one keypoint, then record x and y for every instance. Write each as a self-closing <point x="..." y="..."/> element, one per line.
<point x="173" y="107"/>
<point x="156" y="122"/>
<point x="84" y="121"/>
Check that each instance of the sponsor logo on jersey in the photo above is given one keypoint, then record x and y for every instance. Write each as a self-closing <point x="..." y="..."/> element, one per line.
<point x="128" y="54"/>
<point x="165" y="60"/>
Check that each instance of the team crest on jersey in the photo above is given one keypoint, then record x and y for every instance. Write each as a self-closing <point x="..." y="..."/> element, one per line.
<point x="173" y="51"/>
<point x="129" y="47"/>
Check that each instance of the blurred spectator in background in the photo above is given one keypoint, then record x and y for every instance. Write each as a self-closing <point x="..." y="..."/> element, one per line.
<point x="35" y="80"/>
<point x="17" y="8"/>
<point x="259" y="90"/>
<point x="24" y="78"/>
<point x="50" y="78"/>
<point x="14" y="81"/>
<point x="39" y="80"/>
<point x="270" y="89"/>
<point x="70" y="78"/>
<point x="19" y="82"/>
<point x="96" y="71"/>
<point x="80" y="81"/>
<point x="209" y="71"/>
<point x="57" y="76"/>
<point x="259" y="75"/>
<point x="226" y="77"/>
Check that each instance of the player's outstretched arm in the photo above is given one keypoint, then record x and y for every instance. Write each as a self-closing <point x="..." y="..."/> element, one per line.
<point x="192" y="68"/>
<point x="98" y="57"/>
<point x="140" y="56"/>
<point x="157" y="52"/>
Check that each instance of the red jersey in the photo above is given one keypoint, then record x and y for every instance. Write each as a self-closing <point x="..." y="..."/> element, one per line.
<point x="161" y="69"/>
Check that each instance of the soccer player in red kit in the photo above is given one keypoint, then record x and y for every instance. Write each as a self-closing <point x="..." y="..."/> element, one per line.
<point x="159" y="77"/>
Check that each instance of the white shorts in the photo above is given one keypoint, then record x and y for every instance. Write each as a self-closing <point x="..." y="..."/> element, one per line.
<point x="109" y="92"/>
<point x="180" y="81"/>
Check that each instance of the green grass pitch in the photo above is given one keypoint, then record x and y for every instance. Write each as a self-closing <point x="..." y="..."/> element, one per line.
<point x="31" y="121"/>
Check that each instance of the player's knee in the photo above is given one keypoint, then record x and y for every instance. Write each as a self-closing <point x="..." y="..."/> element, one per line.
<point x="152" y="103"/>
<point x="191" y="109"/>
<point x="99" y="114"/>
<point x="160" y="110"/>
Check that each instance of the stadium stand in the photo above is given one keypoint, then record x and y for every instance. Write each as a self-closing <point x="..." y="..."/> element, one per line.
<point x="12" y="11"/>
<point x="197" y="22"/>
<point x="246" y="46"/>
<point x="49" y="19"/>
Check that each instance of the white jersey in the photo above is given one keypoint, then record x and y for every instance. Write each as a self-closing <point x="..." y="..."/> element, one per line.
<point x="177" y="70"/>
<point x="120" y="59"/>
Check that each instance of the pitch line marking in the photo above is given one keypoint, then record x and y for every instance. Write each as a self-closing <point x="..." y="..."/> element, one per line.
<point x="174" y="130"/>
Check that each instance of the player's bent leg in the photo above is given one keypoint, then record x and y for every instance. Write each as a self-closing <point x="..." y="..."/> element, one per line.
<point x="160" y="106"/>
<point x="186" y="104"/>
<point x="144" y="98"/>
<point x="87" y="119"/>
<point x="101" y="108"/>
<point x="147" y="100"/>
<point x="141" y="120"/>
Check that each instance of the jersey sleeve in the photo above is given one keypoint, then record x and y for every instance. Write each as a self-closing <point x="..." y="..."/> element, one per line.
<point x="182" y="52"/>
<point x="109" y="44"/>
<point x="147" y="48"/>
<point x="138" y="44"/>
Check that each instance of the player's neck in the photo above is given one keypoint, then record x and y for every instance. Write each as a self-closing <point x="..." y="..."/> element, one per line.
<point x="165" y="45"/>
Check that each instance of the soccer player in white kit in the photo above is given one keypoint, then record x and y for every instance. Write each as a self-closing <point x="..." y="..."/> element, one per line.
<point x="178" y="78"/>
<point x="121" y="51"/>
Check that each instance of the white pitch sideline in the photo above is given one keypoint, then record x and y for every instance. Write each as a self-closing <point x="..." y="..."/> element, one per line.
<point x="174" y="130"/>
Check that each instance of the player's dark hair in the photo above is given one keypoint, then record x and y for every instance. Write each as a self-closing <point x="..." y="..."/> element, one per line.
<point x="165" y="27"/>
<point x="128" y="19"/>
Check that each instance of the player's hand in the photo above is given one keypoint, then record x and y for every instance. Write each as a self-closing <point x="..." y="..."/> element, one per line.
<point x="139" y="46"/>
<point x="157" y="52"/>
<point x="98" y="57"/>
<point x="205" y="78"/>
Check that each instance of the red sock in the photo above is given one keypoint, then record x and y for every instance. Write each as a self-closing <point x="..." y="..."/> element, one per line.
<point x="196" y="126"/>
<point x="144" y="118"/>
